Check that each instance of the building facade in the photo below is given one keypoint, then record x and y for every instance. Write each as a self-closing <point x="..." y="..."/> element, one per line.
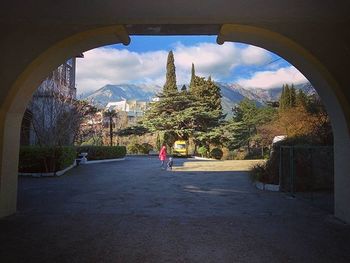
<point x="49" y="106"/>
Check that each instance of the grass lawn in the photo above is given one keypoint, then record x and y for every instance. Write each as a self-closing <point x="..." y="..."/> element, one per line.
<point x="229" y="165"/>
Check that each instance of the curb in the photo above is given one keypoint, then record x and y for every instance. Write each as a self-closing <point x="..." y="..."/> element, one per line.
<point x="58" y="173"/>
<point x="203" y="158"/>
<point x="61" y="172"/>
<point x="267" y="187"/>
<point x="103" y="161"/>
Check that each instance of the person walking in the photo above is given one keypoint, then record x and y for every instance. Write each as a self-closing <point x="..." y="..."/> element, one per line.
<point x="162" y="156"/>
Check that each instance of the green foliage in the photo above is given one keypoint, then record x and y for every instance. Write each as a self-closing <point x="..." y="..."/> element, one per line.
<point x="146" y="148"/>
<point x="181" y="115"/>
<point x="193" y="75"/>
<point x="170" y="84"/>
<point x="158" y="142"/>
<point x="258" y="172"/>
<point x="36" y="159"/>
<point x="216" y="153"/>
<point x="242" y="129"/>
<point x="102" y="152"/>
<point x="203" y="151"/>
<point x="138" y="130"/>
<point x="93" y="141"/>
<point x="135" y="148"/>
<point x="301" y="99"/>
<point x="288" y="97"/>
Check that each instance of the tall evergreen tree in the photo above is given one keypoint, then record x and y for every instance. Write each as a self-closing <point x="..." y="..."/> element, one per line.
<point x="282" y="102"/>
<point x="301" y="99"/>
<point x="292" y="97"/>
<point x="170" y="83"/>
<point x="193" y="74"/>
<point x="215" y="95"/>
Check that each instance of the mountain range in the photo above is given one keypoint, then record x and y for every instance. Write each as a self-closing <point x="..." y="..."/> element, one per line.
<point x="232" y="94"/>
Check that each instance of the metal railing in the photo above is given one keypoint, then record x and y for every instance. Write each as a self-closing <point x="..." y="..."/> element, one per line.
<point x="308" y="172"/>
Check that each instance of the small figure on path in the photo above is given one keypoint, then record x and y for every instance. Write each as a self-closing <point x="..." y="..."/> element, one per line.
<point x="170" y="164"/>
<point x="162" y="156"/>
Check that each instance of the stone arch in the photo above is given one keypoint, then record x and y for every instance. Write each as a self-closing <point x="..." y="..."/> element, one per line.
<point x="21" y="91"/>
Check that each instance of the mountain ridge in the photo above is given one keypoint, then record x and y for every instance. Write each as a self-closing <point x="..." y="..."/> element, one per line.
<point x="232" y="94"/>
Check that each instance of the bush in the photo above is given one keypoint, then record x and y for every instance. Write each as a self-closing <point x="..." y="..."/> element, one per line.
<point x="227" y="154"/>
<point x="133" y="148"/>
<point x="203" y="151"/>
<point x="239" y="154"/>
<point x="36" y="159"/>
<point x="216" y="153"/>
<point x="103" y="152"/>
<point x="145" y="148"/>
<point x="259" y="172"/>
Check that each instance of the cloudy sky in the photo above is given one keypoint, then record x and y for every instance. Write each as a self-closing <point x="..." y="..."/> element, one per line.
<point x="144" y="61"/>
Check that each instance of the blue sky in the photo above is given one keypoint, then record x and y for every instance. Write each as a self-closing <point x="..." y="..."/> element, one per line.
<point x="143" y="62"/>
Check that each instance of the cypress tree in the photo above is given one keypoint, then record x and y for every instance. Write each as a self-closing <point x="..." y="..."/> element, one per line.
<point x="292" y="97"/>
<point x="282" y="101"/>
<point x="193" y="74"/>
<point x="286" y="98"/>
<point x="301" y="99"/>
<point x="170" y="83"/>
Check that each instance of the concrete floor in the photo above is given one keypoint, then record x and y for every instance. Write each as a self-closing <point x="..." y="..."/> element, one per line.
<point x="131" y="211"/>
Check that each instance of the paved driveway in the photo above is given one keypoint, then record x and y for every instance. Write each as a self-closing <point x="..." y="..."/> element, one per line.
<point x="132" y="211"/>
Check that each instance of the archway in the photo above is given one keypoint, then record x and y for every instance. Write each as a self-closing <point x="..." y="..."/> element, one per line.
<point x="29" y="79"/>
<point x="21" y="91"/>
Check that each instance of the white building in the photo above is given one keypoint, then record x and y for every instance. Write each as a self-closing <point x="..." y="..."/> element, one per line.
<point x="133" y="108"/>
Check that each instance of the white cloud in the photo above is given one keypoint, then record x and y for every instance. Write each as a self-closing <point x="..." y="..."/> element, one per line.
<point x="112" y="66"/>
<point x="273" y="79"/>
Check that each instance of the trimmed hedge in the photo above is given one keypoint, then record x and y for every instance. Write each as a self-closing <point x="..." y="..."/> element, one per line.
<point x="36" y="159"/>
<point x="102" y="152"/>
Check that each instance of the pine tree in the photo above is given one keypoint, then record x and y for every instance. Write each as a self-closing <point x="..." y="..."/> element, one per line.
<point x="170" y="83"/>
<point x="184" y="89"/>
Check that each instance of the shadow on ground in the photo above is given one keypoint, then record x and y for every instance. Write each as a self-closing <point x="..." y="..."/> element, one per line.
<point x="133" y="211"/>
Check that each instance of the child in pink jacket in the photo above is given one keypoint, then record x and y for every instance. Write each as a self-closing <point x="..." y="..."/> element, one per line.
<point x="162" y="156"/>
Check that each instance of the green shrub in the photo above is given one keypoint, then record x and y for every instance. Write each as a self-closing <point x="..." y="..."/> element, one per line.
<point x="259" y="172"/>
<point x="36" y="159"/>
<point x="93" y="141"/>
<point x="239" y="154"/>
<point x="133" y="148"/>
<point x="216" y="153"/>
<point x="145" y="148"/>
<point x="203" y="151"/>
<point x="103" y="152"/>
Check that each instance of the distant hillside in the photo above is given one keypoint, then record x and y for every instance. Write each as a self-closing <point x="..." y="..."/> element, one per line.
<point x="232" y="94"/>
<point x="109" y="93"/>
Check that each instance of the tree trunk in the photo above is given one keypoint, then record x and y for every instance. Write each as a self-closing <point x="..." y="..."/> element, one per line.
<point x="110" y="131"/>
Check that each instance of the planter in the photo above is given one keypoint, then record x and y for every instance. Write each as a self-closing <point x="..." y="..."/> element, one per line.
<point x="268" y="187"/>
